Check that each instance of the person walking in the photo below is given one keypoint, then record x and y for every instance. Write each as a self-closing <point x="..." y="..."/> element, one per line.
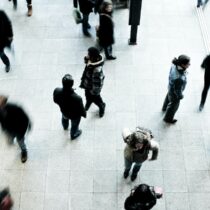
<point x="205" y="65"/>
<point x="86" y="7"/>
<point x="105" y="31"/>
<point x="15" y="122"/>
<point x="177" y="83"/>
<point x="138" y="145"/>
<point x="6" y="37"/>
<point x="29" y="6"/>
<point x="202" y="3"/>
<point x="92" y="80"/>
<point x="71" y="106"/>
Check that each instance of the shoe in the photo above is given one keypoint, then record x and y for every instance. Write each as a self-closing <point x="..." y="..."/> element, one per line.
<point x="102" y="110"/>
<point x="126" y="174"/>
<point x="131" y="43"/>
<point x="111" y="57"/>
<point x="24" y="156"/>
<point x="15" y="6"/>
<point x="7" y="68"/>
<point x="133" y="177"/>
<point x="201" y="107"/>
<point x="29" y="10"/>
<point x="171" y="121"/>
<point x="86" y="33"/>
<point x="77" y="134"/>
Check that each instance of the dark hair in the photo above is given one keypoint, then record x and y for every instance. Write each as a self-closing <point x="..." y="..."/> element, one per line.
<point x="142" y="192"/>
<point x="104" y="5"/>
<point x="94" y="54"/>
<point x="181" y="60"/>
<point x="67" y="81"/>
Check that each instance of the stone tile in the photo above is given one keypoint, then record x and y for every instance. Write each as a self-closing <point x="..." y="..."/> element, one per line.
<point x="199" y="201"/>
<point x="86" y="198"/>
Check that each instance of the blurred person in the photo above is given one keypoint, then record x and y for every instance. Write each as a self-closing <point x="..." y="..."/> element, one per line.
<point x="15" y="122"/>
<point x="92" y="79"/>
<point x="176" y="86"/>
<point x="86" y="7"/>
<point x="143" y="197"/>
<point x="202" y="3"/>
<point x="105" y="31"/>
<point x="138" y="145"/>
<point x="6" y="37"/>
<point x="29" y="5"/>
<point x="205" y="65"/>
<point x="6" y="202"/>
<point x="71" y="106"/>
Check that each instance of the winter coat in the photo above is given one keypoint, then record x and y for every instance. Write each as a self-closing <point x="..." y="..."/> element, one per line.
<point x="135" y="12"/>
<point x="177" y="83"/>
<point x="14" y="120"/>
<point x="93" y="77"/>
<point x="5" y="30"/>
<point x="71" y="104"/>
<point x="106" y="30"/>
<point x="85" y="6"/>
<point x="206" y="65"/>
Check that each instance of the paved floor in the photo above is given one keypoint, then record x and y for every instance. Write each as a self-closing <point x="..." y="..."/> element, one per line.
<point x="86" y="174"/>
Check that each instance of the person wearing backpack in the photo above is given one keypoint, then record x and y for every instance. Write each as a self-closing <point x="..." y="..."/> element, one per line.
<point x="138" y="145"/>
<point x="142" y="197"/>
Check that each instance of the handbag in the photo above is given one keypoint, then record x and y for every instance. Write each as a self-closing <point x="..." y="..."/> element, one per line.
<point x="77" y="16"/>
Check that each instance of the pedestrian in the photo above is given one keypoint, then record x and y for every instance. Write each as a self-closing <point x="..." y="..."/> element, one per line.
<point x="205" y="65"/>
<point x="134" y="20"/>
<point x="6" y="37"/>
<point x="29" y="6"/>
<point x="15" y="122"/>
<point x="6" y="202"/>
<point x="86" y="7"/>
<point x="176" y="86"/>
<point x="71" y="106"/>
<point x="105" y="31"/>
<point x="142" y="197"/>
<point x="202" y="3"/>
<point x="138" y="145"/>
<point x="92" y="79"/>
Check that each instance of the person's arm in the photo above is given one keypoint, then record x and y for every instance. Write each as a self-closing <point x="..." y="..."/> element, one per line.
<point x="82" y="108"/>
<point x="155" y="149"/>
<point x="178" y="89"/>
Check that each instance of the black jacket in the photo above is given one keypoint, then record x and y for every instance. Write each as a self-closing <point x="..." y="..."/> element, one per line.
<point x="5" y="30"/>
<point x="14" y="120"/>
<point x="85" y="6"/>
<point x="106" y="30"/>
<point x="206" y="65"/>
<point x="70" y="103"/>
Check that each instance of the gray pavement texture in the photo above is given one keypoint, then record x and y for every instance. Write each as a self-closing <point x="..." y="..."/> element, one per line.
<point x="86" y="174"/>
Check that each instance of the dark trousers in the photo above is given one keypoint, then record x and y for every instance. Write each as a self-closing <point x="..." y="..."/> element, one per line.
<point x="171" y="105"/>
<point x="29" y="2"/>
<point x="85" y="23"/>
<point x="133" y="34"/>
<point x="205" y="89"/>
<point x="4" y="58"/>
<point x="108" y="51"/>
<point x="74" y="124"/>
<point x="96" y="99"/>
<point x="128" y="165"/>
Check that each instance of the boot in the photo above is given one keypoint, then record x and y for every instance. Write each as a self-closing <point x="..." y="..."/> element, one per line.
<point x="29" y="10"/>
<point x="102" y="110"/>
<point x="126" y="174"/>
<point x="24" y="156"/>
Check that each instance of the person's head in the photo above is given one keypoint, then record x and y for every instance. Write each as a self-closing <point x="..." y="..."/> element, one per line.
<point x="106" y="7"/>
<point x="3" y="100"/>
<point x="67" y="81"/>
<point x="183" y="61"/>
<point x="142" y="192"/>
<point x="139" y="140"/>
<point x="94" y="54"/>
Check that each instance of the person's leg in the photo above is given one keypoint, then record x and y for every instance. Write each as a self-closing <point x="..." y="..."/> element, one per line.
<point x="89" y="100"/>
<point x="65" y="122"/>
<point x="135" y="171"/>
<point x="99" y="102"/>
<point x="128" y="165"/>
<point x="85" y="24"/>
<point x="165" y="103"/>
<point x="199" y="3"/>
<point x="29" y="5"/>
<point x="171" y="110"/>
<point x="75" y="132"/>
<point x="5" y="60"/>
<point x="22" y="145"/>
<point x="133" y="35"/>
<point x="204" y="93"/>
<point x="15" y="4"/>
<point x="108" y="53"/>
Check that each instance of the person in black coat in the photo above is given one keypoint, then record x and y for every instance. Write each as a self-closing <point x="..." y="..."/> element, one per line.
<point x="86" y="7"/>
<point x="29" y="5"/>
<point x="15" y="122"/>
<point x="105" y="31"/>
<point x="71" y="106"/>
<point x="205" y="65"/>
<point x="6" y="37"/>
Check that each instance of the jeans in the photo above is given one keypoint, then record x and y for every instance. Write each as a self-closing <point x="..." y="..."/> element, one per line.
<point x="29" y="2"/>
<point x="21" y="143"/>
<point x="171" y="105"/>
<point x="96" y="99"/>
<point x="74" y="124"/>
<point x="128" y="165"/>
<point x="4" y="58"/>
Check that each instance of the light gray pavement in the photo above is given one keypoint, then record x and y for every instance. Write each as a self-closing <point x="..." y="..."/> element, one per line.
<point x="86" y="174"/>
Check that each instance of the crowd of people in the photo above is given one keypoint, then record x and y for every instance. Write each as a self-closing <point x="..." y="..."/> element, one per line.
<point x="139" y="142"/>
